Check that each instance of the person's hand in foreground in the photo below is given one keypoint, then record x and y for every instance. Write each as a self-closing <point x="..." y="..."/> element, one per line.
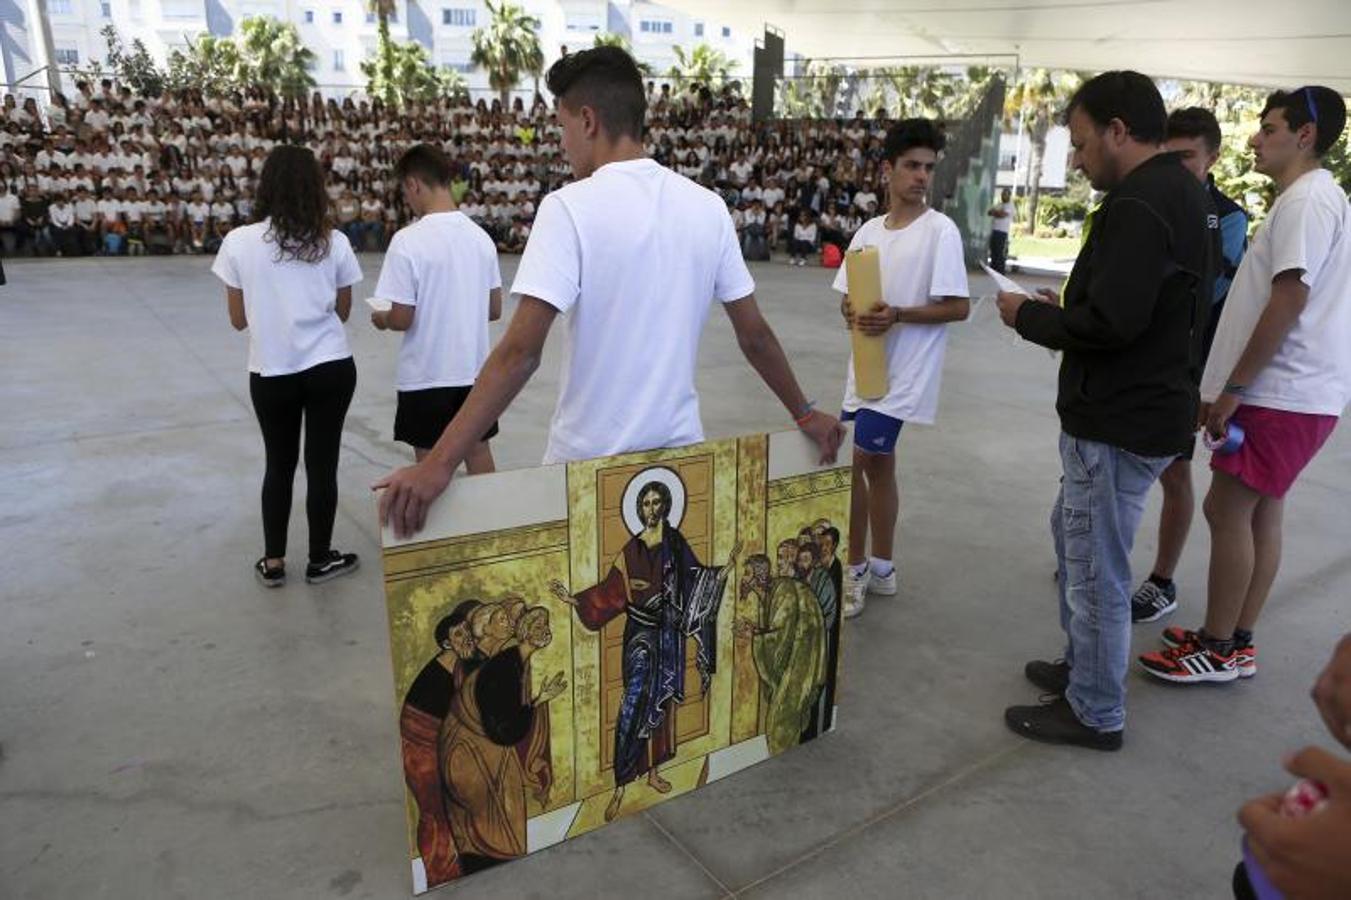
<point x="1009" y="302"/>
<point x="1305" y="857"/>
<point x="408" y="492"/>
<point x="826" y="432"/>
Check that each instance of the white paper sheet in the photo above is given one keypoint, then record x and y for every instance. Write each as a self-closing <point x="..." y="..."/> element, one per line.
<point x="379" y="305"/>
<point x="1005" y="283"/>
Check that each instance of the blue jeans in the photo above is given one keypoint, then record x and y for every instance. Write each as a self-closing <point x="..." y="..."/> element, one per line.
<point x="1102" y="494"/>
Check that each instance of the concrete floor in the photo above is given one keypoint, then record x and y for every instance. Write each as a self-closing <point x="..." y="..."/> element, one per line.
<point x="169" y="729"/>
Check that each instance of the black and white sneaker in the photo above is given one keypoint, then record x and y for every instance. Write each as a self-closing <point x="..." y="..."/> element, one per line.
<point x="1152" y="602"/>
<point x="334" y="566"/>
<point x="272" y="578"/>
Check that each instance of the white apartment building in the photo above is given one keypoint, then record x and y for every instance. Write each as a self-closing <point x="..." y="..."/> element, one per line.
<point x="343" y="32"/>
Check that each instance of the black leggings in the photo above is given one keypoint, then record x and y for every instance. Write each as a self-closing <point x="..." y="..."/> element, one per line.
<point x="320" y="395"/>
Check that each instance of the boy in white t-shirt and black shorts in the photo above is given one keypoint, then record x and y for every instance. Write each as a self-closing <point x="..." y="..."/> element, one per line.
<point x="923" y="288"/>
<point x="441" y="275"/>
<point x="1280" y="370"/>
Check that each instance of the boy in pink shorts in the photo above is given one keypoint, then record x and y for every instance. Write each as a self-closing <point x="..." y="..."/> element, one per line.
<point x="1280" y="369"/>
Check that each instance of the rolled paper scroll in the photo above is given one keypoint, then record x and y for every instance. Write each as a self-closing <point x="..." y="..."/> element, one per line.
<point x="864" y="271"/>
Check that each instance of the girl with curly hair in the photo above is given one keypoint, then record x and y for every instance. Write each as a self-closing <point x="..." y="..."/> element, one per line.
<point x="288" y="278"/>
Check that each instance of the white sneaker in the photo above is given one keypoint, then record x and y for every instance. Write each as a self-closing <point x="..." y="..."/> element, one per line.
<point x="886" y="586"/>
<point x="854" y="590"/>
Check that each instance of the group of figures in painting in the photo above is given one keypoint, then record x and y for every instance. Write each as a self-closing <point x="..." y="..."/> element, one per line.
<point x="475" y="740"/>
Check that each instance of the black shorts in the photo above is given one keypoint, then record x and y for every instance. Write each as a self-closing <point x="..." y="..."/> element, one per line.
<point x="1190" y="453"/>
<point x="422" y="415"/>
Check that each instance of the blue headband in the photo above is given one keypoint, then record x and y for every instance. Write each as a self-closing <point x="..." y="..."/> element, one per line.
<point x="1308" y="99"/>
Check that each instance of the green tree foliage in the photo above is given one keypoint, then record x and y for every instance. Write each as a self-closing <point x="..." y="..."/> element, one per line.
<point x="380" y="83"/>
<point x="211" y="64"/>
<point x="702" y="67"/>
<point x="895" y="92"/>
<point x="135" y="67"/>
<point x="815" y="94"/>
<point x="508" y="48"/>
<point x="272" y="55"/>
<point x="1037" y="98"/>
<point x="405" y="73"/>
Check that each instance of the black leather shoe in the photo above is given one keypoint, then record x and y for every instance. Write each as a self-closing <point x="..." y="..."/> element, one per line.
<point x="1051" y="677"/>
<point x="1054" y="722"/>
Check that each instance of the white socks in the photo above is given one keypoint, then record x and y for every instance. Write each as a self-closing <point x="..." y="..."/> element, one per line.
<point x="882" y="568"/>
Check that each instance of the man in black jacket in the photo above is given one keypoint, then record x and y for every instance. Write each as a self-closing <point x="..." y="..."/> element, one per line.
<point x="1130" y="328"/>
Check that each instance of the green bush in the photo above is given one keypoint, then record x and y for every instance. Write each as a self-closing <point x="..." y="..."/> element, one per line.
<point x="1056" y="212"/>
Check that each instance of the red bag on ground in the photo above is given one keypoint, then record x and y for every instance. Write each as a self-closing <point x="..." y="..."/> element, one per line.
<point x="831" y="257"/>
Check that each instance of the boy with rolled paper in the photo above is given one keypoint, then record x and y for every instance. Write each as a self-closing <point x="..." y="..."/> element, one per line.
<point x="903" y="281"/>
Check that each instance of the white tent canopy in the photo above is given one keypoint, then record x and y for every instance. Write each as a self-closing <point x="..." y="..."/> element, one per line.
<point x="1277" y="44"/>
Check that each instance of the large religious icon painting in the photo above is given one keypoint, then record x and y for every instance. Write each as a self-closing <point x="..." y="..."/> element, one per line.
<point x="576" y="643"/>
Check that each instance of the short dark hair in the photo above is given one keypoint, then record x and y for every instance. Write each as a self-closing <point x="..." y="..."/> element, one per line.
<point x="425" y="163"/>
<point x="458" y="615"/>
<point x="908" y="134"/>
<point x="1195" y="122"/>
<point x="1314" y="103"/>
<point x="1129" y="96"/>
<point x="607" y="80"/>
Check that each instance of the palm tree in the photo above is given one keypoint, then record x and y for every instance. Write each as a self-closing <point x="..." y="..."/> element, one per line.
<point x="384" y="52"/>
<point x="704" y="66"/>
<point x="1037" y="98"/>
<point x="508" y="48"/>
<point x="610" y="39"/>
<point x="411" y="76"/>
<point x="272" y="55"/>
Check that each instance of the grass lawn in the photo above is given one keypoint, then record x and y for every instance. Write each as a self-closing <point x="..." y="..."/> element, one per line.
<point x="1045" y="248"/>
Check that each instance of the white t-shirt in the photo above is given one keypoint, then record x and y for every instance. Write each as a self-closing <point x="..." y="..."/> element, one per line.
<point x="634" y="257"/>
<point x="291" y="305"/>
<point x="1005" y="222"/>
<point x="863" y="199"/>
<point x="444" y="265"/>
<point x="1308" y="228"/>
<point x="9" y="209"/>
<point x="921" y="263"/>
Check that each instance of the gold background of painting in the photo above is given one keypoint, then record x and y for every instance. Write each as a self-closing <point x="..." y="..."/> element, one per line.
<point x="425" y="581"/>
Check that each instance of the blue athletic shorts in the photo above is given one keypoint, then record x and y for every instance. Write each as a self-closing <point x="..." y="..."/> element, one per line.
<point x="874" y="432"/>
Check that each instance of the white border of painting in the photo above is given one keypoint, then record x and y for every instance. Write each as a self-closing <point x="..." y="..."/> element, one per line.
<point x="550" y="828"/>
<point x="419" y="876"/>
<point x="500" y="500"/>
<point x="792" y="453"/>
<point x="730" y="760"/>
